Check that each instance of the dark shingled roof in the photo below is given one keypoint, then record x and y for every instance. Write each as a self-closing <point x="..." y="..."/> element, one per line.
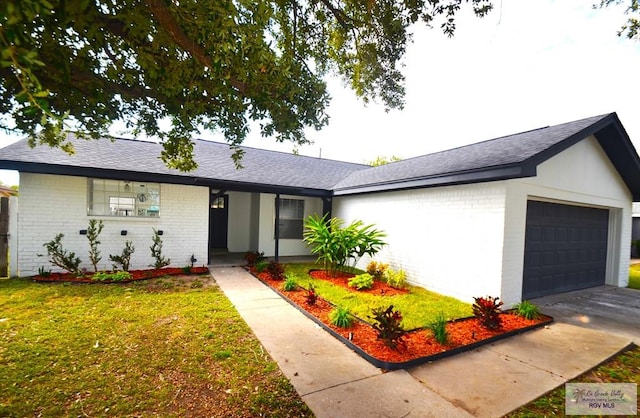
<point x="506" y="157"/>
<point x="512" y="156"/>
<point x="125" y="159"/>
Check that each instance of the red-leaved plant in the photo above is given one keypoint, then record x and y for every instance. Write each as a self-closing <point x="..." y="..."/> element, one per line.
<point x="388" y="325"/>
<point x="275" y="270"/>
<point x="311" y="297"/>
<point x="487" y="310"/>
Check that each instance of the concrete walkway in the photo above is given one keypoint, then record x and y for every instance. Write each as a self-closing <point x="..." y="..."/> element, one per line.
<point x="336" y="382"/>
<point x="614" y="310"/>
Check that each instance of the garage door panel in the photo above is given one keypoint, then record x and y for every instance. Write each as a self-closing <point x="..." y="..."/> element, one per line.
<point x="565" y="248"/>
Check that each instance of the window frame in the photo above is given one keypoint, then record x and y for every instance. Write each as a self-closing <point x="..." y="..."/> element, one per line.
<point x="292" y="226"/>
<point x="123" y="198"/>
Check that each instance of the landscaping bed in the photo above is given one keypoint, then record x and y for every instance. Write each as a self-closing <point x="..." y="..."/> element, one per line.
<point x="134" y="275"/>
<point x="417" y="346"/>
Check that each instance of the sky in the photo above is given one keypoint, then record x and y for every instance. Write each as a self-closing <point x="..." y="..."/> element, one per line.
<point x="524" y="66"/>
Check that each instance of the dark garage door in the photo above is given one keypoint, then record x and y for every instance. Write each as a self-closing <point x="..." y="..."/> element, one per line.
<point x="565" y="248"/>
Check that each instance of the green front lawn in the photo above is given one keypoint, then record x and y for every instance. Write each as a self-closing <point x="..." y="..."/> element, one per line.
<point x="634" y="276"/>
<point x="419" y="307"/>
<point x="168" y="347"/>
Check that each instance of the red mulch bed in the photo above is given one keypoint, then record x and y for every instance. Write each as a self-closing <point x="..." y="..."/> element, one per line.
<point x="342" y="279"/>
<point x="135" y="275"/>
<point x="417" y="344"/>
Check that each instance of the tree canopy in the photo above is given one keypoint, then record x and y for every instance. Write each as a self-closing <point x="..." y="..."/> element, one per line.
<point x="203" y="65"/>
<point x="383" y="160"/>
<point x="631" y="28"/>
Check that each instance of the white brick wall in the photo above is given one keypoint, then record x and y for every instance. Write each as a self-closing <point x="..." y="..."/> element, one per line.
<point x="447" y="239"/>
<point x="468" y="240"/>
<point x="52" y="204"/>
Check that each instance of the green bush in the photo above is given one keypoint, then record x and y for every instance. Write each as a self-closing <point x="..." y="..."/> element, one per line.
<point x="156" y="252"/>
<point x="527" y="310"/>
<point x="396" y="279"/>
<point x="115" y="276"/>
<point x="93" y="232"/>
<point x="62" y="258"/>
<point x="124" y="259"/>
<point x="361" y="281"/>
<point x="261" y="266"/>
<point x="341" y="317"/>
<point x="290" y="283"/>
<point x="335" y="245"/>
<point x="439" y="329"/>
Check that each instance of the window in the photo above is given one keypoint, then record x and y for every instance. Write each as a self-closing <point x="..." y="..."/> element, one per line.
<point x="218" y="203"/>
<point x="123" y="198"/>
<point x="291" y="218"/>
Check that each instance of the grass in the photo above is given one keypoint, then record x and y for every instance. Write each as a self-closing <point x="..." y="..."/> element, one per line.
<point x="419" y="308"/>
<point x="162" y="347"/>
<point x="634" y="276"/>
<point x="623" y="368"/>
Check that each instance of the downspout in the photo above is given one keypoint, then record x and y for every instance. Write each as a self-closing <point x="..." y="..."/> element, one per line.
<point x="277" y="229"/>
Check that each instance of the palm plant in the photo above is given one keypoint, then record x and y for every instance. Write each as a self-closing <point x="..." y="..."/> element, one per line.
<point x="336" y="245"/>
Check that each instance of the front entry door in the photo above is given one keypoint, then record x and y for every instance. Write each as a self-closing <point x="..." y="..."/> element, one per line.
<point x="218" y="221"/>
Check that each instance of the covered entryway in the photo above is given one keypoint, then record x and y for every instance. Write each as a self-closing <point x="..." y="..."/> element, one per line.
<point x="565" y="248"/>
<point x="218" y="221"/>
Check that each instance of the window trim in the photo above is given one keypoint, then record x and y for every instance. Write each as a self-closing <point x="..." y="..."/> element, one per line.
<point x="297" y="220"/>
<point x="111" y="198"/>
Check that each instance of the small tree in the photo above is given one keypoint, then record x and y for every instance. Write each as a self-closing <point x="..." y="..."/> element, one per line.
<point x="156" y="251"/>
<point x="94" y="230"/>
<point x="124" y="258"/>
<point x="62" y="258"/>
<point x="336" y="245"/>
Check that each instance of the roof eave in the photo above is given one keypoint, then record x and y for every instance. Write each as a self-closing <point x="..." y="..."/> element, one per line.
<point x="42" y="168"/>
<point x="449" y="179"/>
<point x="615" y="142"/>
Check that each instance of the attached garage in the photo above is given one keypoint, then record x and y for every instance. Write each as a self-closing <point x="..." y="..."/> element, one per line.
<point x="565" y="248"/>
<point x="522" y="216"/>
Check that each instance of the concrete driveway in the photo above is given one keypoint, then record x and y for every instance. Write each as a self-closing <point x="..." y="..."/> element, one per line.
<point x="614" y="310"/>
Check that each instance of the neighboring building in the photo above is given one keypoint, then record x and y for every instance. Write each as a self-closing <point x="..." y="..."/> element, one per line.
<point x="521" y="216"/>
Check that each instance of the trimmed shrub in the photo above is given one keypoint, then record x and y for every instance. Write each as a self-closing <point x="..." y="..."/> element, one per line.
<point x="106" y="276"/>
<point x="396" y="279"/>
<point x="124" y="259"/>
<point x="361" y="281"/>
<point x="62" y="258"/>
<point x="290" y="283"/>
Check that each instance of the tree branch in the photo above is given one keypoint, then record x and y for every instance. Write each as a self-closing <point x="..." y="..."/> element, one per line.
<point x="339" y="14"/>
<point x="163" y="16"/>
